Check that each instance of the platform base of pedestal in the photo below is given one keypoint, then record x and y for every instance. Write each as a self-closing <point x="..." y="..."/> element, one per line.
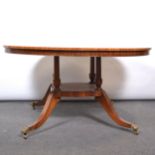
<point x="76" y="90"/>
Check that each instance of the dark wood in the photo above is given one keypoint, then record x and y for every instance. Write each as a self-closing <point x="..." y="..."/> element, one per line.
<point x="73" y="51"/>
<point x="92" y="70"/>
<point x="98" y="73"/>
<point x="56" y="81"/>
<point x="79" y="90"/>
<point x="93" y="88"/>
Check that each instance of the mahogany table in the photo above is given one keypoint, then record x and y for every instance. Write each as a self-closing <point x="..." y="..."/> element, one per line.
<point x="92" y="88"/>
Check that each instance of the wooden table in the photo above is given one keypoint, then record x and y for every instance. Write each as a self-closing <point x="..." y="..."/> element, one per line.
<point x="92" y="88"/>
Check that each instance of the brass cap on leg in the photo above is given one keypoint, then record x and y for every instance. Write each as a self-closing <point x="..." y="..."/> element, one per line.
<point x="135" y="129"/>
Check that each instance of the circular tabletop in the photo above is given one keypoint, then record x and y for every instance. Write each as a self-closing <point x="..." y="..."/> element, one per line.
<point x="77" y="51"/>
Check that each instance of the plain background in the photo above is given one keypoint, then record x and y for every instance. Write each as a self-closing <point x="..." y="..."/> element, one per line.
<point x="74" y="23"/>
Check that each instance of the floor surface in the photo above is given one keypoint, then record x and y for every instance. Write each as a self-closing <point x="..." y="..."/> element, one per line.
<point x="78" y="128"/>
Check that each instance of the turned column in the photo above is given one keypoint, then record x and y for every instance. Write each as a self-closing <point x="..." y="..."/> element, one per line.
<point x="56" y="78"/>
<point x="92" y="70"/>
<point x="98" y="73"/>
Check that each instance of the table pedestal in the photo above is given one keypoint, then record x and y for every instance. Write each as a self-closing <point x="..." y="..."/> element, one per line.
<point x="93" y="88"/>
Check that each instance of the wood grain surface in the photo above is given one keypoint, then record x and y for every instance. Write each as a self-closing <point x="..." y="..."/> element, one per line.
<point x="76" y="51"/>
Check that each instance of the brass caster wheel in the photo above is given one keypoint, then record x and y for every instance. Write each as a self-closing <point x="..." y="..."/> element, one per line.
<point x="34" y="105"/>
<point x="24" y="133"/>
<point x="25" y="136"/>
<point x="37" y="104"/>
<point x="135" y="129"/>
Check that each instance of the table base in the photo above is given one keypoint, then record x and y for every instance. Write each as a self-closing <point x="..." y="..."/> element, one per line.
<point x="93" y="88"/>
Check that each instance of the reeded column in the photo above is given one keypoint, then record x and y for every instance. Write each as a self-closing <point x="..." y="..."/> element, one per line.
<point x="92" y="70"/>
<point x="98" y="73"/>
<point x="56" y="79"/>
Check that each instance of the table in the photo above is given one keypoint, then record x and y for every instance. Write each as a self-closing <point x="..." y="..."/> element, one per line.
<point x="93" y="88"/>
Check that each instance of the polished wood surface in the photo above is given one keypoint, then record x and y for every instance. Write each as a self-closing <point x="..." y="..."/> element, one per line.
<point x="79" y="90"/>
<point x="50" y="104"/>
<point x="73" y="51"/>
<point x="93" y="88"/>
<point x="92" y="70"/>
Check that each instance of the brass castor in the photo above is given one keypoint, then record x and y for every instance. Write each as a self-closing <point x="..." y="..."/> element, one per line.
<point x="24" y="133"/>
<point x="135" y="129"/>
<point x="36" y="103"/>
